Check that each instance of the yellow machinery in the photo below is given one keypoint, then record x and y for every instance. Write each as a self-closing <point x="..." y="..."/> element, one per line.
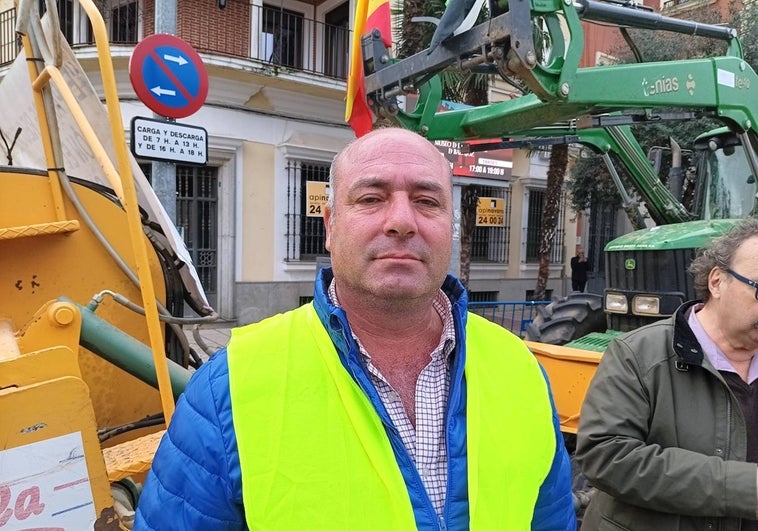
<point x="74" y="420"/>
<point x="570" y="371"/>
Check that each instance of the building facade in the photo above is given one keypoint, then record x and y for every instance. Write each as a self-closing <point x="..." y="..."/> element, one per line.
<point x="274" y="118"/>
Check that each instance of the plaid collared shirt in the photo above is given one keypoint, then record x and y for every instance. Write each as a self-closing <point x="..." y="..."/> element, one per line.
<point x="426" y="443"/>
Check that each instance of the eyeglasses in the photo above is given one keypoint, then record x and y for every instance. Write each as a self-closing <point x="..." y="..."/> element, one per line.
<point x="744" y="280"/>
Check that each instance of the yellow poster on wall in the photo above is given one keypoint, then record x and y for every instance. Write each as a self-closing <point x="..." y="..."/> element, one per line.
<point x="490" y="212"/>
<point x="317" y="194"/>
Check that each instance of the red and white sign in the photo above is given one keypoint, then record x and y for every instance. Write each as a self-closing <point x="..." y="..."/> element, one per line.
<point x="45" y="485"/>
<point x="495" y="164"/>
<point x="168" y="76"/>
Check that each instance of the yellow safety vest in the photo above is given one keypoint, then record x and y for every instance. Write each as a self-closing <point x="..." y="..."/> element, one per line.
<point x="314" y="454"/>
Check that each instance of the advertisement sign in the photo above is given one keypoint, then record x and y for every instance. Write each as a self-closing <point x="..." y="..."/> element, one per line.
<point x="495" y="164"/>
<point x="486" y="164"/>
<point x="317" y="194"/>
<point x="490" y="212"/>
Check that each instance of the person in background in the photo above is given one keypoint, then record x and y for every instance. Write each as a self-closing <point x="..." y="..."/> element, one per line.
<point x="668" y="432"/>
<point x="383" y="404"/>
<point x="579" y="268"/>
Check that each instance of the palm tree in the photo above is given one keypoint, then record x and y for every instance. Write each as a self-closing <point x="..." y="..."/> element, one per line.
<point x="463" y="87"/>
<point x="469" y="200"/>
<point x="550" y="209"/>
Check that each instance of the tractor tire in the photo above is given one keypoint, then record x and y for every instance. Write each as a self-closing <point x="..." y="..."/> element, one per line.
<point x="567" y="319"/>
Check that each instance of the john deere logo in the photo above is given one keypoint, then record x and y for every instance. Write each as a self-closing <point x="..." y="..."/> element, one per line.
<point x="630" y="264"/>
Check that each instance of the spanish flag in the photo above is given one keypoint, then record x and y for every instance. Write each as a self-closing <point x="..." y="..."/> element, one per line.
<point x="369" y="14"/>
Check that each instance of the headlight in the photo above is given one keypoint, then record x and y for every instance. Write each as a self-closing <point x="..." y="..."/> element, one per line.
<point x="646" y="305"/>
<point x="616" y="303"/>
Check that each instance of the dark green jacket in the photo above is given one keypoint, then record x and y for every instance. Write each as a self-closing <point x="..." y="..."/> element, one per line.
<point x="663" y="438"/>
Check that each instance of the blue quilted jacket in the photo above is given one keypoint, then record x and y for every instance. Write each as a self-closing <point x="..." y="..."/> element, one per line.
<point x="195" y="481"/>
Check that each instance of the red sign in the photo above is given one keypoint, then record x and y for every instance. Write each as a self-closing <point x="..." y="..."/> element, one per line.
<point x="168" y="76"/>
<point x="495" y="164"/>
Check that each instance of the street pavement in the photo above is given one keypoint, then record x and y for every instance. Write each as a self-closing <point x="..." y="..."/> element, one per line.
<point x="211" y="338"/>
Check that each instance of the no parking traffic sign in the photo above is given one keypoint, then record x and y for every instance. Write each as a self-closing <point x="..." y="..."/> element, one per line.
<point x="168" y="76"/>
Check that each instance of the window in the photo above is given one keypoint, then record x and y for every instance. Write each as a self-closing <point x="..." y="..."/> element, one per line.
<point x="529" y="295"/>
<point x="282" y="37"/>
<point x="306" y="236"/>
<point x="197" y="219"/>
<point x="490" y="244"/>
<point x="124" y="22"/>
<point x="10" y="43"/>
<point x="121" y="17"/>
<point x="65" y="17"/>
<point x="534" y="224"/>
<point x="602" y="229"/>
<point x="534" y="228"/>
<point x="558" y="254"/>
<point x="482" y="296"/>
<point x="336" y="41"/>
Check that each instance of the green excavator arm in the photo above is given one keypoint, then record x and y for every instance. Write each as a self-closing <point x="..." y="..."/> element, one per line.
<point x="540" y="43"/>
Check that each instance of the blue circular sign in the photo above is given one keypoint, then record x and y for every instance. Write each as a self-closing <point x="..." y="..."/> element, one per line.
<point x="168" y="76"/>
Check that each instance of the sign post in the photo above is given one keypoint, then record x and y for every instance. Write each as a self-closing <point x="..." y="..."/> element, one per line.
<point x="170" y="78"/>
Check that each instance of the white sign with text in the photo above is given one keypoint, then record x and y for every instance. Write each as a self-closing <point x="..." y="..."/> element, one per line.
<point x="169" y="141"/>
<point x="45" y="485"/>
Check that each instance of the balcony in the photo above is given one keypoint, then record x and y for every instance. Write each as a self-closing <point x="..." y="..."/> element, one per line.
<point x="675" y="7"/>
<point x="272" y="37"/>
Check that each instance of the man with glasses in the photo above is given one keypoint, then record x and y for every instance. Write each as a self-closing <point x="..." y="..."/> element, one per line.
<point x="669" y="428"/>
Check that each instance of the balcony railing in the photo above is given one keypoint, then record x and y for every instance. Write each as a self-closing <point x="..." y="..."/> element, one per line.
<point x="10" y="44"/>
<point x="682" y="4"/>
<point x="276" y="37"/>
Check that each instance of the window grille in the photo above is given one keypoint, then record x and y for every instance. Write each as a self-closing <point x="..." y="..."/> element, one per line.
<point x="306" y="236"/>
<point x="282" y="36"/>
<point x="558" y="253"/>
<point x="124" y="22"/>
<point x="534" y="227"/>
<point x="482" y="296"/>
<point x="65" y="17"/>
<point x="121" y="17"/>
<point x="534" y="224"/>
<point x="336" y="41"/>
<point x="197" y="218"/>
<point x="602" y="229"/>
<point x="490" y="244"/>
<point x="529" y="295"/>
<point x="10" y="42"/>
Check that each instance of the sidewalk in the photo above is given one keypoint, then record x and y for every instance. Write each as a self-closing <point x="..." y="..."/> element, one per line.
<point x="212" y="338"/>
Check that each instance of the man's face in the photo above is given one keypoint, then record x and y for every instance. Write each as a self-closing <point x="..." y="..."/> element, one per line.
<point x="737" y="304"/>
<point x="390" y="234"/>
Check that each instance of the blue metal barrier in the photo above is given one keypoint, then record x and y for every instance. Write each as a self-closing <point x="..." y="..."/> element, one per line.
<point x="513" y="315"/>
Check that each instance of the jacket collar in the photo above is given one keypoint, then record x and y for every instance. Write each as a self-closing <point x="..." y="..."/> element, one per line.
<point x="335" y="321"/>
<point x="686" y="346"/>
<point x="451" y="287"/>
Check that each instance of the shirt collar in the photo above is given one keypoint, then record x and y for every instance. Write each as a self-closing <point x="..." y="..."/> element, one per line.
<point x="442" y="306"/>
<point x="714" y="354"/>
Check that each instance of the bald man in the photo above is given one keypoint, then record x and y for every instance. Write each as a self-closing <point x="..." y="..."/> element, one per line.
<point x="383" y="404"/>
